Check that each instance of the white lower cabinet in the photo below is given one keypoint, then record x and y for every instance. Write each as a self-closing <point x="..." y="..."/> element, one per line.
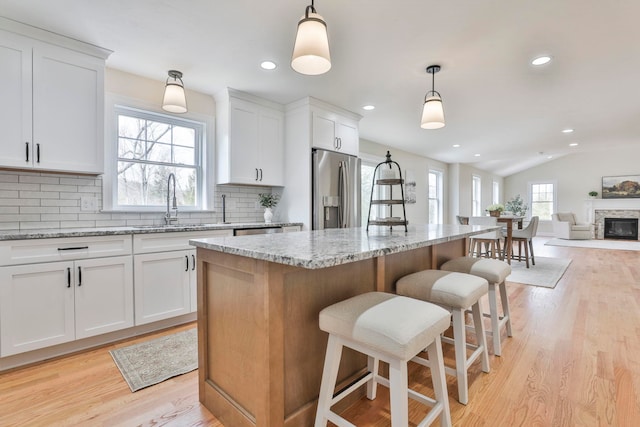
<point x="163" y="285"/>
<point x="46" y="304"/>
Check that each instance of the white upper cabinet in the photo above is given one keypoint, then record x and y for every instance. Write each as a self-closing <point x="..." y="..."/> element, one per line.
<point x="52" y="114"/>
<point x="249" y="140"/>
<point x="335" y="132"/>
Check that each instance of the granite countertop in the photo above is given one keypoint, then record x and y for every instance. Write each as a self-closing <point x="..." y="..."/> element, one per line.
<point x="326" y="248"/>
<point x="140" y="229"/>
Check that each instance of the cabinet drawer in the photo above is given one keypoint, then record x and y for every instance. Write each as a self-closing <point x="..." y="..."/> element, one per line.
<point x="174" y="241"/>
<point x="16" y="252"/>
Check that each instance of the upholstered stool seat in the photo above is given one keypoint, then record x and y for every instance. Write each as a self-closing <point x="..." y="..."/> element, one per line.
<point x="496" y="273"/>
<point x="393" y="329"/>
<point x="456" y="292"/>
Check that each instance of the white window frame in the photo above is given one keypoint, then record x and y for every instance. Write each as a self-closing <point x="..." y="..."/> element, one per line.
<point x="476" y="195"/>
<point x="554" y="207"/>
<point x="110" y="178"/>
<point x="438" y="197"/>
<point x="372" y="161"/>
<point x="496" y="192"/>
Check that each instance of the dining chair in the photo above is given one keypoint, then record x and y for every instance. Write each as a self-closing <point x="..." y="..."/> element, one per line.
<point x="526" y="236"/>
<point x="490" y="240"/>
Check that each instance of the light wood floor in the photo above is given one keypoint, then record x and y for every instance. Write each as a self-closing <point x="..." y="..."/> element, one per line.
<point x="574" y="360"/>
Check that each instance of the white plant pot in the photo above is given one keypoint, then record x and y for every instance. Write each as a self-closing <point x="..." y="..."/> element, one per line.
<point x="268" y="215"/>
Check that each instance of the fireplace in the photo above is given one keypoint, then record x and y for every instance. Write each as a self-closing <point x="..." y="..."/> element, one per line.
<point x="621" y="228"/>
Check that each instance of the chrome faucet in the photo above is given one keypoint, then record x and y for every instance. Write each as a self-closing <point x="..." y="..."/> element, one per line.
<point x="169" y="218"/>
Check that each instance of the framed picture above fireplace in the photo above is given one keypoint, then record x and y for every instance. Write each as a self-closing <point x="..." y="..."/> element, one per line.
<point x="621" y="187"/>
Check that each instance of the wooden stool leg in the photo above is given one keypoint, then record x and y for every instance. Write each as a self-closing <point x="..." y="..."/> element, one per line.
<point x="505" y="306"/>
<point x="533" y="258"/>
<point x="460" y="344"/>
<point x="526" y="253"/>
<point x="439" y="381"/>
<point x="495" y="320"/>
<point x="478" y="326"/>
<point x="329" y="377"/>
<point x="398" y="393"/>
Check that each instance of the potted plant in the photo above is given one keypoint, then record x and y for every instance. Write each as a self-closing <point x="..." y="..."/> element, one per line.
<point x="495" y="209"/>
<point x="516" y="206"/>
<point x="593" y="194"/>
<point x="268" y="201"/>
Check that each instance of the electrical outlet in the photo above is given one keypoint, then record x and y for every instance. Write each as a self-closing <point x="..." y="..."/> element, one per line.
<point x="88" y="204"/>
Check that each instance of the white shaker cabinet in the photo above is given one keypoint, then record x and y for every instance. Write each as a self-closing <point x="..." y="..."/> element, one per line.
<point x="165" y="274"/>
<point x="52" y="114"/>
<point x="249" y="139"/>
<point x="44" y="304"/>
<point x="334" y="132"/>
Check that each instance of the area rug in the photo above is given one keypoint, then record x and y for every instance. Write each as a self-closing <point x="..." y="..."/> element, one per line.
<point x="596" y="244"/>
<point x="546" y="273"/>
<point x="151" y="362"/>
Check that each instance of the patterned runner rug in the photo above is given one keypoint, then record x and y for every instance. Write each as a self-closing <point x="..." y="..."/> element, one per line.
<point x="151" y="362"/>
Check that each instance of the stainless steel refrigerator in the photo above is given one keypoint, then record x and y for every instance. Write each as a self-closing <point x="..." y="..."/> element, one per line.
<point x="335" y="190"/>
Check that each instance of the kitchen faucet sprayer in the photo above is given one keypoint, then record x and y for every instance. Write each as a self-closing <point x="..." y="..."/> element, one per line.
<point x="169" y="218"/>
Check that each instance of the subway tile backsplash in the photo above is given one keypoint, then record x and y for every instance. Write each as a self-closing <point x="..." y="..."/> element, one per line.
<point x="37" y="200"/>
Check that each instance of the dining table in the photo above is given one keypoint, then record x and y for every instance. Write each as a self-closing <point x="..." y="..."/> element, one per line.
<point x="508" y="220"/>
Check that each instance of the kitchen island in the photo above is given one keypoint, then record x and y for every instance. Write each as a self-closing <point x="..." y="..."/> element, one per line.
<point x="260" y="349"/>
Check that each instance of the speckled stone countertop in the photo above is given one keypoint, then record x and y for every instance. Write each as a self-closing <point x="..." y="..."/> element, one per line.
<point x="141" y="229"/>
<point x="326" y="248"/>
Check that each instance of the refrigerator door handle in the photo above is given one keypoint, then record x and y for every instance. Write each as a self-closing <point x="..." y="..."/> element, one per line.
<point x="343" y="186"/>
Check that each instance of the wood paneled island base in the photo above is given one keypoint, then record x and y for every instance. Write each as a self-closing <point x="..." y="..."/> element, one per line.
<point x="261" y="351"/>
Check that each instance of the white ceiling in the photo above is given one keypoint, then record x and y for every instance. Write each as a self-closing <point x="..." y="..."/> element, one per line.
<point x="496" y="103"/>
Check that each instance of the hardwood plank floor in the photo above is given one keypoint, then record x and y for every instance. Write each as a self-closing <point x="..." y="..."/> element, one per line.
<point x="574" y="360"/>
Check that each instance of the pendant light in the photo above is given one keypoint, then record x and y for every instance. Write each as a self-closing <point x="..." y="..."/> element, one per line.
<point x="311" y="49"/>
<point x="174" y="100"/>
<point x="432" y="111"/>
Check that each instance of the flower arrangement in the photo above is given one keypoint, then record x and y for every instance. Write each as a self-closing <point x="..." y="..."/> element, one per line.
<point x="268" y="200"/>
<point x="495" y="207"/>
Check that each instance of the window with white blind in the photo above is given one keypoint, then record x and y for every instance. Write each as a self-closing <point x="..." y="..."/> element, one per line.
<point x="436" y="200"/>
<point x="542" y="199"/>
<point x="476" y="196"/>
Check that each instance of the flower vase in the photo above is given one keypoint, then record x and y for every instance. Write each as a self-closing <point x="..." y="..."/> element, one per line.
<point x="268" y="215"/>
<point x="494" y="213"/>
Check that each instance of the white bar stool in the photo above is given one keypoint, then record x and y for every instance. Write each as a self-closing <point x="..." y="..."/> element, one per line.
<point x="456" y="292"/>
<point x="496" y="273"/>
<point x="393" y="329"/>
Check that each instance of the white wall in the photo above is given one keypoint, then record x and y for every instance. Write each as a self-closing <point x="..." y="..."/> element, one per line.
<point x="575" y="175"/>
<point x="460" y="193"/>
<point x="417" y="213"/>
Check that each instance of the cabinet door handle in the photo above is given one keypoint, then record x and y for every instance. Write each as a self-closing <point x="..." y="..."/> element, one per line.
<point x="339" y="143"/>
<point x="73" y="248"/>
<point x="37" y="153"/>
<point x="79" y="276"/>
<point x="68" y="277"/>
<point x="335" y="142"/>
<point x="186" y="257"/>
<point x="256" y="174"/>
<point x="193" y="260"/>
<point x="27" y="150"/>
<point x="260" y="174"/>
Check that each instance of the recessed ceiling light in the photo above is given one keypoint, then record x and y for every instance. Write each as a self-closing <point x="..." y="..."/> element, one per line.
<point x="541" y="60"/>
<point x="476" y="155"/>
<point x="369" y="107"/>
<point x="456" y="145"/>
<point x="549" y="157"/>
<point x="268" y="65"/>
<point x="573" y="144"/>
<point x="567" y="130"/>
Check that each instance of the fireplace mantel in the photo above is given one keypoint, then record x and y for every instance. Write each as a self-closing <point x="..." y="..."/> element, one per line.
<point x="591" y="205"/>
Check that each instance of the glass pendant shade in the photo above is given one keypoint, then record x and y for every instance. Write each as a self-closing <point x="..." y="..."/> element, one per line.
<point x="311" y="49"/>
<point x="432" y="112"/>
<point x="174" y="99"/>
